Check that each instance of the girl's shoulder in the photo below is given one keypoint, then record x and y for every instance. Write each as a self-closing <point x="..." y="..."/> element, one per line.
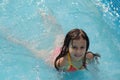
<point x="61" y="62"/>
<point x="92" y="57"/>
<point x="89" y="55"/>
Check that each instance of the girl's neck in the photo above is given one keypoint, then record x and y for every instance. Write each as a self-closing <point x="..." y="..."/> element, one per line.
<point x="77" y="63"/>
<point x="74" y="60"/>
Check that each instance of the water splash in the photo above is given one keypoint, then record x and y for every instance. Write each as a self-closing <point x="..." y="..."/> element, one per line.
<point x="30" y="27"/>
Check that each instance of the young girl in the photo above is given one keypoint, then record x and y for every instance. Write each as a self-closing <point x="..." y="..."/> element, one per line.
<point x="74" y="54"/>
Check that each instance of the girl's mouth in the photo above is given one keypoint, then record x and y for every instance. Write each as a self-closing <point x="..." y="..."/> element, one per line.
<point x="77" y="55"/>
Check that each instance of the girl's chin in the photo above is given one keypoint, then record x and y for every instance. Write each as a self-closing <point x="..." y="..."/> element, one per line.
<point x="78" y="59"/>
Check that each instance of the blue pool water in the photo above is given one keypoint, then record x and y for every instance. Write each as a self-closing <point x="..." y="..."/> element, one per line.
<point x="28" y="27"/>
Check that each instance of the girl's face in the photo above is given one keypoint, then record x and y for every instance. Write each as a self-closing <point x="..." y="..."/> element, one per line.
<point x="77" y="49"/>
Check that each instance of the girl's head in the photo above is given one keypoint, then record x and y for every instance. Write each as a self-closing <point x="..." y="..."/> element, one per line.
<point x="76" y="43"/>
<point x="75" y="34"/>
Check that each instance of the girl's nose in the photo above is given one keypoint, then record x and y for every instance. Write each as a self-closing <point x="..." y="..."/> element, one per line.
<point x="78" y="51"/>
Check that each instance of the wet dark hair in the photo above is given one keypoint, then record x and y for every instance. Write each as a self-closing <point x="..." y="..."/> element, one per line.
<point x="74" y="34"/>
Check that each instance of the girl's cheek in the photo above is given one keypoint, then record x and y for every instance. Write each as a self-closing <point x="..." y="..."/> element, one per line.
<point x="71" y="50"/>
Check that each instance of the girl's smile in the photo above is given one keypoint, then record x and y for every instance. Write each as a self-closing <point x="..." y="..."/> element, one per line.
<point x="76" y="55"/>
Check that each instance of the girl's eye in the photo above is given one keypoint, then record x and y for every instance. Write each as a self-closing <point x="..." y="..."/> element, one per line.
<point x="74" y="47"/>
<point x="82" y="47"/>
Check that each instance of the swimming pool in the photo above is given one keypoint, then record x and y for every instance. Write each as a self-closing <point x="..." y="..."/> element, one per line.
<point x="29" y="26"/>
